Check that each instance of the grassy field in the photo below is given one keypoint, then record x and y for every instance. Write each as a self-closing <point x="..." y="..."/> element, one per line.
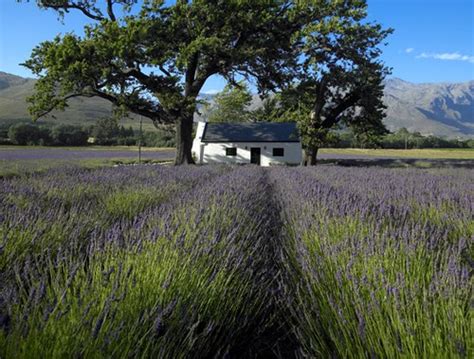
<point x="442" y="153"/>
<point x="222" y="261"/>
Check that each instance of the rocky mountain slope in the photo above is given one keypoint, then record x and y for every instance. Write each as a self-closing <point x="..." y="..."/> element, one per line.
<point x="441" y="109"/>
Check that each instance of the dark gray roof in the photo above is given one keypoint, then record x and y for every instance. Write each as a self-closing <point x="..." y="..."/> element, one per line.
<point x="251" y="132"/>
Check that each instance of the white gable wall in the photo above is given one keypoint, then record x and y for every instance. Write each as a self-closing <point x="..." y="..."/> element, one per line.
<point x="216" y="153"/>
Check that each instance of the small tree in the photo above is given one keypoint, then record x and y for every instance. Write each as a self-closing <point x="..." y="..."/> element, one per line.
<point x="126" y="136"/>
<point x="162" y="137"/>
<point x="28" y="134"/>
<point x="368" y="139"/>
<point x="106" y="131"/>
<point x="67" y="135"/>
<point x="230" y="105"/>
<point x="269" y="111"/>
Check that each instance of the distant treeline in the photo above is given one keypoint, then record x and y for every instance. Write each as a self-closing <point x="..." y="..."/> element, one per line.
<point x="105" y="132"/>
<point x="402" y="139"/>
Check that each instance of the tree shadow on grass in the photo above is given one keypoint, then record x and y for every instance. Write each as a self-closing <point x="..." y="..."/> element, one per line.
<point x="400" y="163"/>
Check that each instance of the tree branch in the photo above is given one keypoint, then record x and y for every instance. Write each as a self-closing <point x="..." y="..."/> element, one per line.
<point x="53" y="106"/>
<point x="66" y="5"/>
<point x="166" y="72"/>
<point x="190" y="75"/>
<point x="155" y="113"/>
<point x="145" y="79"/>
<point x="334" y="113"/>
<point x="110" y="10"/>
<point x="320" y="99"/>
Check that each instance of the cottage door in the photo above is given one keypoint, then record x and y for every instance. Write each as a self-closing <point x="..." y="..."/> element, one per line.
<point x="255" y="155"/>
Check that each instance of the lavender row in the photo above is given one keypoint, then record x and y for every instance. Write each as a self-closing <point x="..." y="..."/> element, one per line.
<point x="373" y="275"/>
<point x="192" y="276"/>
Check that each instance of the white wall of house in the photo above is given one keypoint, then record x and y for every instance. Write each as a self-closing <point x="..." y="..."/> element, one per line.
<point x="216" y="152"/>
<point x="212" y="152"/>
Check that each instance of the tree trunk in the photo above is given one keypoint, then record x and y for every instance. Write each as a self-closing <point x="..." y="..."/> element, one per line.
<point x="184" y="140"/>
<point x="304" y="162"/>
<point x="310" y="156"/>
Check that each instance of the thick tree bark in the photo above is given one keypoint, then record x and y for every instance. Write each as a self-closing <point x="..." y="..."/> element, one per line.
<point x="184" y="120"/>
<point x="184" y="140"/>
<point x="310" y="156"/>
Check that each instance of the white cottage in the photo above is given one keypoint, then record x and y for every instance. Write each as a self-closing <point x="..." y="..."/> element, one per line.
<point x="261" y="143"/>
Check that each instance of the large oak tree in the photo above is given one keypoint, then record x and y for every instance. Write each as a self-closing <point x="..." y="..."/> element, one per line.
<point x="341" y="74"/>
<point x="153" y="59"/>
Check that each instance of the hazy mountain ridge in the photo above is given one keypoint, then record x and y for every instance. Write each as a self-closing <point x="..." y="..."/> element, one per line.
<point x="441" y="109"/>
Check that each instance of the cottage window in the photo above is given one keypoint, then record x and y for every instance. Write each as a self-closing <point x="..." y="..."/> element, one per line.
<point x="231" y="151"/>
<point x="278" y="152"/>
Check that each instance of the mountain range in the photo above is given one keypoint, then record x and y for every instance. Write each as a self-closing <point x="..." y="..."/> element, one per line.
<point x="441" y="109"/>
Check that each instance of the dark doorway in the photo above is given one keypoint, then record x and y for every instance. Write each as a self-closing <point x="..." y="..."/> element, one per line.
<point x="255" y="155"/>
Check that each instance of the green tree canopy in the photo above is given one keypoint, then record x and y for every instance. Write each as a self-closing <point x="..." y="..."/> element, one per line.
<point x="269" y="111"/>
<point x="230" y="105"/>
<point x="69" y="135"/>
<point x="29" y="134"/>
<point x="106" y="131"/>
<point x="152" y="58"/>
<point x="340" y="74"/>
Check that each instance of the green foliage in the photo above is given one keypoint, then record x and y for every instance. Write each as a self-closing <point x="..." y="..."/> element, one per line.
<point x="404" y="139"/>
<point x="340" y="74"/>
<point x="29" y="134"/>
<point x="269" y="111"/>
<point x="231" y="105"/>
<point x="106" y="131"/>
<point x="4" y="140"/>
<point x="401" y="139"/>
<point x="60" y="135"/>
<point x="183" y="44"/>
<point x="68" y="135"/>
<point x="163" y="137"/>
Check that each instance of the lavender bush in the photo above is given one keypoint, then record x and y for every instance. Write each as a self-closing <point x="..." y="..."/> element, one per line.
<point x="381" y="260"/>
<point x="236" y="262"/>
<point x="129" y="266"/>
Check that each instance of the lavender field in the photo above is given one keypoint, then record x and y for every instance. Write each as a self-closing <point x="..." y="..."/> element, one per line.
<point x="21" y="160"/>
<point x="15" y="153"/>
<point x="237" y="262"/>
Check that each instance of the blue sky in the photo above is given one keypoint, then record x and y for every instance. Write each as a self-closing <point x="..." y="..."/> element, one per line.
<point x="433" y="39"/>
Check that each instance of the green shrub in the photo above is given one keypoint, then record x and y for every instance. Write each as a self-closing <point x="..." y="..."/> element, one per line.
<point x="68" y="135"/>
<point x="29" y="134"/>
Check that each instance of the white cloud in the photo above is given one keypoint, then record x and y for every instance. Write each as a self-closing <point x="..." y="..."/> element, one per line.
<point x="449" y="56"/>
<point x="211" y="92"/>
<point x="409" y="49"/>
